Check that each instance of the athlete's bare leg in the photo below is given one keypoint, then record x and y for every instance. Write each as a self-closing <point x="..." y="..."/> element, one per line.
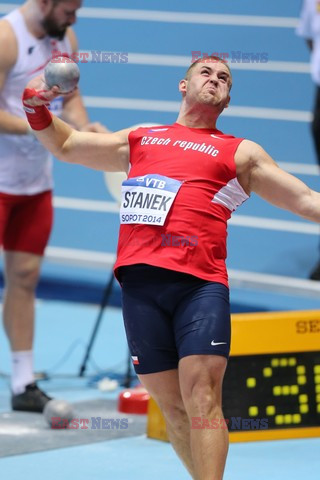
<point x="201" y="388"/>
<point x="21" y="278"/>
<point x="164" y="388"/>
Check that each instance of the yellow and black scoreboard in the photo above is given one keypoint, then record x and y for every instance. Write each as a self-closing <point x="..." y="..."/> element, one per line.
<point x="272" y="383"/>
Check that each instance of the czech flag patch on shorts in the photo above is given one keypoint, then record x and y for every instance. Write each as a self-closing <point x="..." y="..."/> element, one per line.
<point x="135" y="360"/>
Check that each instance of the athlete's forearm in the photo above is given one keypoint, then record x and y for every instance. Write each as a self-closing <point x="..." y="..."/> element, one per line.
<point x="101" y="151"/>
<point x="54" y="138"/>
<point x="13" y="125"/>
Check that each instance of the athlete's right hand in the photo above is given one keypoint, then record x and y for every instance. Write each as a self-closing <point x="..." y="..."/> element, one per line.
<point x="37" y="93"/>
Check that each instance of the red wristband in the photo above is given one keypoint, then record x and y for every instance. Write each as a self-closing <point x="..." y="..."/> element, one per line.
<point x="38" y="117"/>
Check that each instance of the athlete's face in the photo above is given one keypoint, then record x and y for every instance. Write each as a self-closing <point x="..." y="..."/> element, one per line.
<point x="59" y="17"/>
<point x="208" y="83"/>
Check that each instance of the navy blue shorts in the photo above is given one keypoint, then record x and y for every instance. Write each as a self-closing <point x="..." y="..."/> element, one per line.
<point x="169" y="315"/>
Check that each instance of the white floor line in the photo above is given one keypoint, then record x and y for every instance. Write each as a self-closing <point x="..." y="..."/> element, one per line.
<point x="80" y="258"/>
<point x="300" y="168"/>
<point x="177" y="17"/>
<point x="85" y="205"/>
<point x="189" y="17"/>
<point x="120" y="103"/>
<point x="236" y="220"/>
<point x="184" y="61"/>
<point x="274" y="224"/>
<point x="274" y="283"/>
<point x="161" y="60"/>
<point x="238" y="278"/>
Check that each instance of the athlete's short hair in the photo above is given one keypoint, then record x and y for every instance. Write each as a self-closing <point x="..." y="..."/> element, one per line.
<point x="208" y="59"/>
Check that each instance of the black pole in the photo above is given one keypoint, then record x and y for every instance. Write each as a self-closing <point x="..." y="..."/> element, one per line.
<point x="103" y="304"/>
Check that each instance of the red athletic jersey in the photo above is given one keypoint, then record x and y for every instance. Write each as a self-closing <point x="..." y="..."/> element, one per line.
<point x="193" y="237"/>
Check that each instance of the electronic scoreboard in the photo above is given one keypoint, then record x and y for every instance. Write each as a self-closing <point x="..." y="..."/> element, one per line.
<point x="271" y="388"/>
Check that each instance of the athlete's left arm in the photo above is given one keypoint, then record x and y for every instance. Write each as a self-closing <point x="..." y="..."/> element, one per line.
<point x="74" y="111"/>
<point x="257" y="172"/>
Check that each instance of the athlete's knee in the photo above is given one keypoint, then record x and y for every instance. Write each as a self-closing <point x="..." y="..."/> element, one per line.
<point x="175" y="415"/>
<point x="204" y="400"/>
<point x="23" y="275"/>
<point x="202" y="394"/>
<point x="171" y="404"/>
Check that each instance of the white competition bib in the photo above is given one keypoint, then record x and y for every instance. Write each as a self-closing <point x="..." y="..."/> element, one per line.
<point x="147" y="200"/>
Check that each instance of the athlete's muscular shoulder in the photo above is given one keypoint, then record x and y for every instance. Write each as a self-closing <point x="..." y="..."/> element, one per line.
<point x="8" y="55"/>
<point x="250" y="160"/>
